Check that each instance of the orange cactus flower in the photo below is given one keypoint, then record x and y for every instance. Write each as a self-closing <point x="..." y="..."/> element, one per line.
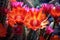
<point x="16" y="15"/>
<point x="3" y="31"/>
<point x="33" y="19"/>
<point x="55" y="11"/>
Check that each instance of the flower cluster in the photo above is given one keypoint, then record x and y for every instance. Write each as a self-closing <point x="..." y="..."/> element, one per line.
<point x="31" y="17"/>
<point x="53" y="10"/>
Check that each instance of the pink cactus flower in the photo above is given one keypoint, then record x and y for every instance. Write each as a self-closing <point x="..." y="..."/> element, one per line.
<point x="49" y="30"/>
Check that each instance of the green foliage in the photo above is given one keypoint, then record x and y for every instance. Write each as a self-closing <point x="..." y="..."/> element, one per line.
<point x="36" y="3"/>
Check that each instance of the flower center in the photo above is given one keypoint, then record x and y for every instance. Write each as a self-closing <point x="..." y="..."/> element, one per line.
<point x="34" y="23"/>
